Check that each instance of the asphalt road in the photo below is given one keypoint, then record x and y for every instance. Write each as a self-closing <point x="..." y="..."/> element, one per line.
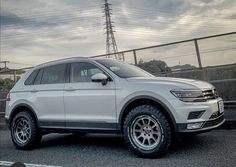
<point x="216" y="148"/>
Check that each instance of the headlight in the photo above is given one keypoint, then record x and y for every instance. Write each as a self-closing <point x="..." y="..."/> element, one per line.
<point x="189" y="95"/>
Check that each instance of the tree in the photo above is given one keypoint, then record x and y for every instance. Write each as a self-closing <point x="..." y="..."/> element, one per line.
<point x="155" y="67"/>
<point x="6" y="84"/>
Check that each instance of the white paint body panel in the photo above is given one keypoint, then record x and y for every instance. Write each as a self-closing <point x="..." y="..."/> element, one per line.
<point x="90" y="102"/>
<point x="94" y="102"/>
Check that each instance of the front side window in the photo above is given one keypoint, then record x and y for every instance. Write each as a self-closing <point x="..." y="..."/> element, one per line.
<point x="82" y="72"/>
<point x="53" y="74"/>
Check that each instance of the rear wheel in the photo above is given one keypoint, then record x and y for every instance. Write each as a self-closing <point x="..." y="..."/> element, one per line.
<point x="24" y="132"/>
<point x="147" y="131"/>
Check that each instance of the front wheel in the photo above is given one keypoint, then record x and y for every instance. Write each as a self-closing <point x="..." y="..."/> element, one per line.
<point x="147" y="131"/>
<point x="24" y="132"/>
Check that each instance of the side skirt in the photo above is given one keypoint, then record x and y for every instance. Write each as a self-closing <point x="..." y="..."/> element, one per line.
<point x="70" y="127"/>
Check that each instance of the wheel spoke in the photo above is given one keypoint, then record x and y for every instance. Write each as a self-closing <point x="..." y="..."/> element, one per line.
<point x="139" y="136"/>
<point x="143" y="140"/>
<point x="155" y="125"/>
<point x="20" y="124"/>
<point x="143" y="121"/>
<point x="28" y="132"/>
<point x="156" y="133"/>
<point x="138" y="130"/>
<point x="153" y="138"/>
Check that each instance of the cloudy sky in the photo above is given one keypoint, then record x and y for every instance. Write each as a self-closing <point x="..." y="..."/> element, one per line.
<point x="37" y="31"/>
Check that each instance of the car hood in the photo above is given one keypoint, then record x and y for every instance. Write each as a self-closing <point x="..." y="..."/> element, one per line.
<point x="177" y="82"/>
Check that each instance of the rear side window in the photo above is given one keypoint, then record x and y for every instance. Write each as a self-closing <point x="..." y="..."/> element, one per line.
<point x="53" y="74"/>
<point x="31" y="78"/>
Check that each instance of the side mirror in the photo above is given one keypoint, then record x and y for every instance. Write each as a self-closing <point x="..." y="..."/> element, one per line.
<point x="100" y="77"/>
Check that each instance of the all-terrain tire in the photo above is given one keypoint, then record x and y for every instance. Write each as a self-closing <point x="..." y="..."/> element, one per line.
<point x="152" y="112"/>
<point x="34" y="135"/>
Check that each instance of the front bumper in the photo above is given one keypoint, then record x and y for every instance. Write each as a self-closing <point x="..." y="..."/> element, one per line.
<point x="206" y="125"/>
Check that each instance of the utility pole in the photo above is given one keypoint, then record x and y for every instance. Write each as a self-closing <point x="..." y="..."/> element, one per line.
<point x="111" y="46"/>
<point x="5" y="64"/>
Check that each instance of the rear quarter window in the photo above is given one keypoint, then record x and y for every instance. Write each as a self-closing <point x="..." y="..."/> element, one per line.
<point x="31" y="78"/>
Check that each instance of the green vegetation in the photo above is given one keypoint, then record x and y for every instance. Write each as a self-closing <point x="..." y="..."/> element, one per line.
<point x="6" y="84"/>
<point x="155" y="67"/>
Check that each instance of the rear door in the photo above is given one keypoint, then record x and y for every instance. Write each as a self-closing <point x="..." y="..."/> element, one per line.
<point x="48" y="96"/>
<point x="89" y="105"/>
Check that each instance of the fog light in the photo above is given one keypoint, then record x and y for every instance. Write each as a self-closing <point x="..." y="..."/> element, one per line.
<point x="194" y="125"/>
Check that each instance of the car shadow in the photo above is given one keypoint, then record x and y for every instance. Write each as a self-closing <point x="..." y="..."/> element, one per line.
<point x="102" y="140"/>
<point x="116" y="143"/>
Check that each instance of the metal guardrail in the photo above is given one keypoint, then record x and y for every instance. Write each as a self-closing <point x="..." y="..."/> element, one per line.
<point x="222" y="80"/>
<point x="197" y="52"/>
<point x="195" y="43"/>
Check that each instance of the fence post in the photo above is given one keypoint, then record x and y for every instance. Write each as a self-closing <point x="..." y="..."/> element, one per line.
<point x="14" y="76"/>
<point x="123" y="57"/>
<point x="135" y="58"/>
<point x="198" y="53"/>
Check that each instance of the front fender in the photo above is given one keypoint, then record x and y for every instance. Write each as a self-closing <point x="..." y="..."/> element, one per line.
<point x="146" y="95"/>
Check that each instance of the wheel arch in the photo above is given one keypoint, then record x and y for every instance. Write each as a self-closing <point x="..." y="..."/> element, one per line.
<point x="139" y="100"/>
<point x="22" y="107"/>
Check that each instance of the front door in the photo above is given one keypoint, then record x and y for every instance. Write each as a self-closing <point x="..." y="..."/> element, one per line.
<point x="89" y="105"/>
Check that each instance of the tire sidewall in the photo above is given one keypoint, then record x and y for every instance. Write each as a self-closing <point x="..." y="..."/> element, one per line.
<point x="32" y="126"/>
<point x="158" y="117"/>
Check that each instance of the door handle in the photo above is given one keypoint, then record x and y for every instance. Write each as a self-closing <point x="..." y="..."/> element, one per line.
<point x="70" y="89"/>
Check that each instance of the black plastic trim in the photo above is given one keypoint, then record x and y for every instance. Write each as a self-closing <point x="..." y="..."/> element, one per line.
<point x="22" y="105"/>
<point x="182" y="127"/>
<point x="150" y="98"/>
<point x="78" y="125"/>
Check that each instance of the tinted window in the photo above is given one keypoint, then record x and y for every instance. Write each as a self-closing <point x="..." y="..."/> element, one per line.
<point x="53" y="74"/>
<point x="30" y="79"/>
<point x="38" y="78"/>
<point x="82" y="72"/>
<point x="124" y="70"/>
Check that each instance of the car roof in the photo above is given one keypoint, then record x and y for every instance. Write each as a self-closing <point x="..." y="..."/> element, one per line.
<point x="61" y="61"/>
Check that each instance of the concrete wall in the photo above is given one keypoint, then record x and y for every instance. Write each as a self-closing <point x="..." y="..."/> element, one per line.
<point x="222" y="77"/>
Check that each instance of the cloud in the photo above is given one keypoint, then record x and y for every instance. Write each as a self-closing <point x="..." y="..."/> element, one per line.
<point x="37" y="31"/>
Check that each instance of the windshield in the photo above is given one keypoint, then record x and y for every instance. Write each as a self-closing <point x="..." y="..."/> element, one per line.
<point x="123" y="70"/>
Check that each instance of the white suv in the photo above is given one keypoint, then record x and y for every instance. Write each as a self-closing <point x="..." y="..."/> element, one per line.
<point x="79" y="95"/>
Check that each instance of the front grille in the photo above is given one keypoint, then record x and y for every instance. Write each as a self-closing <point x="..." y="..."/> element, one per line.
<point x="210" y="94"/>
<point x="214" y="122"/>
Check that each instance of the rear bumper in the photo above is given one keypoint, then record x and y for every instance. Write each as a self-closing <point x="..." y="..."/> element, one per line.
<point x="206" y="125"/>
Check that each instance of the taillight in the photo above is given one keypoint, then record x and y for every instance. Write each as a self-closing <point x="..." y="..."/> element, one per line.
<point x="8" y="98"/>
